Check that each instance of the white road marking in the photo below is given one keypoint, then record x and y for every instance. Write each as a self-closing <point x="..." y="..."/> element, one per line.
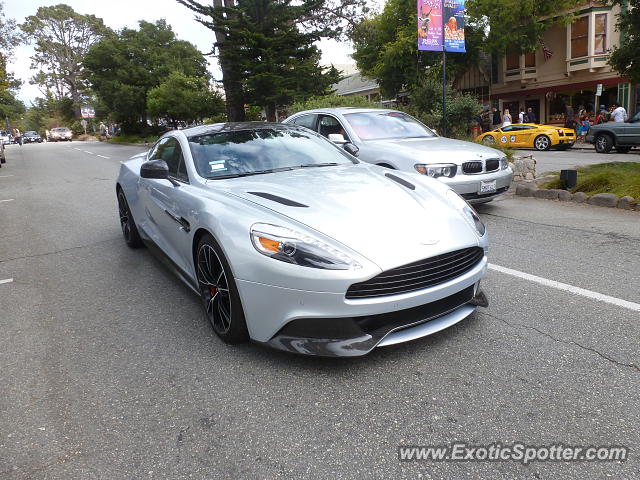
<point x="76" y="148"/>
<point x="101" y="156"/>
<point x="7" y="200"/>
<point x="567" y="288"/>
<point x="8" y="280"/>
<point x="5" y="176"/>
<point x="90" y="153"/>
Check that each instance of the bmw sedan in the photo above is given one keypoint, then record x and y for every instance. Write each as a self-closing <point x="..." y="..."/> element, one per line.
<point x="395" y="140"/>
<point x="293" y="243"/>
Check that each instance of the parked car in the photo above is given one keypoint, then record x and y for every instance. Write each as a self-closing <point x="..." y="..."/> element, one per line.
<point x="530" y="135"/>
<point x="293" y="243"/>
<point x="395" y="140"/>
<point x="31" y="137"/>
<point x="621" y="135"/>
<point x="5" y="137"/>
<point x="60" y="134"/>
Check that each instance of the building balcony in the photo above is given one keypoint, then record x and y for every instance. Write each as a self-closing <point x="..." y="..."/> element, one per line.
<point x="592" y="63"/>
<point x="522" y="75"/>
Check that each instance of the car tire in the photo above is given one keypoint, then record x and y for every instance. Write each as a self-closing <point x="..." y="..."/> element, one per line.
<point x="542" y="143"/>
<point x="488" y="140"/>
<point x="127" y="223"/>
<point x="603" y="143"/>
<point x="623" y="149"/>
<point x="219" y="293"/>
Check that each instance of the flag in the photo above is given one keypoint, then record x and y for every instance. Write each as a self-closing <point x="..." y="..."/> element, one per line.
<point x="430" y="25"/>
<point x="546" y="52"/>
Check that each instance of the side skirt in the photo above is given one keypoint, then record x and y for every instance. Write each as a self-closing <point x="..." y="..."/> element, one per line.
<point x="171" y="265"/>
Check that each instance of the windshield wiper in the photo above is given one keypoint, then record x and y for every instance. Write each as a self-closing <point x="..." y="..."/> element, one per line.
<point x="248" y="174"/>
<point x="311" y="165"/>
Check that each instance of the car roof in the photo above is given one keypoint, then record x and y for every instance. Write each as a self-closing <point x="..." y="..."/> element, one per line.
<point x="230" y="127"/>
<point x="345" y="110"/>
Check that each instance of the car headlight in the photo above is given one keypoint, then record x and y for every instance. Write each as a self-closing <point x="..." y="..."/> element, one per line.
<point x="298" y="248"/>
<point x="467" y="212"/>
<point x="504" y="163"/>
<point x="436" y="170"/>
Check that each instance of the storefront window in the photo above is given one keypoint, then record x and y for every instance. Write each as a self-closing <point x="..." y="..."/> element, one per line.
<point x="601" y="33"/>
<point x="530" y="59"/>
<point x="580" y="37"/>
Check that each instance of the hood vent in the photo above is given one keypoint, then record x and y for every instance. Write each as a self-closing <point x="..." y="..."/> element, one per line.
<point x="276" y="198"/>
<point x="401" y="181"/>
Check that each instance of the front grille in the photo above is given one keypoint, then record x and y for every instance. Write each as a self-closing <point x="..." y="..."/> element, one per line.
<point x="472" y="167"/>
<point x="418" y="275"/>
<point x="493" y="164"/>
<point x="569" y="134"/>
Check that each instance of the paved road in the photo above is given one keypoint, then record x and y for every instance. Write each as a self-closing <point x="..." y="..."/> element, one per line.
<point x="554" y="160"/>
<point x="109" y="371"/>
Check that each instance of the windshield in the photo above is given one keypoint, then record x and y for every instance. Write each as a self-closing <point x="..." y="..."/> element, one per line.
<point x="387" y="125"/>
<point x="30" y="133"/>
<point x="61" y="129"/>
<point x="253" y="152"/>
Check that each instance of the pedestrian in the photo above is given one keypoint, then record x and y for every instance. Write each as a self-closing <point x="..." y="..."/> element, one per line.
<point x="602" y="115"/>
<point x="522" y="116"/>
<point x="583" y="128"/>
<point x="496" y="119"/>
<point x="46" y="134"/>
<point x="619" y="114"/>
<point x="506" y="118"/>
<point x="18" y="136"/>
<point x="485" y="119"/>
<point x="103" y="131"/>
<point x="569" y="117"/>
<point x="531" y="116"/>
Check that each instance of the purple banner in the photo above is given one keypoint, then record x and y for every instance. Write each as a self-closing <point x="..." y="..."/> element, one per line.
<point x="430" y="25"/>
<point x="454" y="26"/>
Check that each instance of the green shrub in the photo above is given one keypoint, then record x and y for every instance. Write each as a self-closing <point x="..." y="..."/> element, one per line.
<point x="332" y="101"/>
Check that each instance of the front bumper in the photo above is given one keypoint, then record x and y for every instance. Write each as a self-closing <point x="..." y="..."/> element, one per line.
<point x="328" y="324"/>
<point x="468" y="186"/>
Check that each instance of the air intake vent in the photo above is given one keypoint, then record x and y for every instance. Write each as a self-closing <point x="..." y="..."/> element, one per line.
<point x="276" y="198"/>
<point x="401" y="181"/>
<point x="418" y="275"/>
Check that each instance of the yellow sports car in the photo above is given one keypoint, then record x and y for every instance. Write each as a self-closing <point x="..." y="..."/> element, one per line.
<point x="529" y="135"/>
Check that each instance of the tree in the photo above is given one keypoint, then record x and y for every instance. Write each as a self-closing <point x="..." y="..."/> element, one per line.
<point x="625" y="58"/>
<point x="123" y="68"/>
<point x="62" y="37"/>
<point x="184" y="98"/>
<point x="265" y="48"/>
<point x="386" y="48"/>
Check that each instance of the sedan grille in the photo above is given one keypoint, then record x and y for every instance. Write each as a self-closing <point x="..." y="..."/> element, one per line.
<point x="493" y="164"/>
<point x="418" y="275"/>
<point x="472" y="167"/>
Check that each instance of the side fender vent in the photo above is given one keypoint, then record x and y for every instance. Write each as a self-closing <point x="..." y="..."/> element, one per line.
<point x="276" y="198"/>
<point x="401" y="181"/>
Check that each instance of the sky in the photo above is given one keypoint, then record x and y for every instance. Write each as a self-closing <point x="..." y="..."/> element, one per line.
<point x="126" y="13"/>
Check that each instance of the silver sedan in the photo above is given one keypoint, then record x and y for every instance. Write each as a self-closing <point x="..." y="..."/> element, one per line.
<point x="393" y="139"/>
<point x="293" y="243"/>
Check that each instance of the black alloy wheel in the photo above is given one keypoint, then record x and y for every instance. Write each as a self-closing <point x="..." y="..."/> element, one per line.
<point x="219" y="293"/>
<point x="127" y="224"/>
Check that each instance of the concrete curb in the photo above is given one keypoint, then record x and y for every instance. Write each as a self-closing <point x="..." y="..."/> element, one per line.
<point x="610" y="200"/>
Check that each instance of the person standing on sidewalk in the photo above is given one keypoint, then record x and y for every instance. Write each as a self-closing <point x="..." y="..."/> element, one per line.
<point x="496" y="119"/>
<point x="531" y="116"/>
<point x="619" y="114"/>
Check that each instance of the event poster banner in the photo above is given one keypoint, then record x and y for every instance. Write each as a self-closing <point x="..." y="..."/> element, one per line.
<point x="430" y="25"/>
<point x="454" y="26"/>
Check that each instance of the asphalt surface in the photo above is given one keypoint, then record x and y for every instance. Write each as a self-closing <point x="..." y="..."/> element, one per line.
<point x="108" y="369"/>
<point x="555" y="160"/>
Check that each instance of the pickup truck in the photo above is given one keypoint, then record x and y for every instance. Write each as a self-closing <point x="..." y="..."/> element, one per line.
<point x="621" y="135"/>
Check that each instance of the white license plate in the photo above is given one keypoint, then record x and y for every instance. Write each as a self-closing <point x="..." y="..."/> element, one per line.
<point x="487" y="186"/>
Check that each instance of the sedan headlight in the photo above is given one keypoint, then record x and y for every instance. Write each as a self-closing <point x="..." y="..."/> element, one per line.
<point x="467" y="212"/>
<point x="436" y="170"/>
<point x="504" y="163"/>
<point x="290" y="246"/>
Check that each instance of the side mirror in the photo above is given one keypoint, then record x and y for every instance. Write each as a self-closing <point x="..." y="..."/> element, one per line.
<point x="337" y="138"/>
<point x="351" y="148"/>
<point x="155" y="169"/>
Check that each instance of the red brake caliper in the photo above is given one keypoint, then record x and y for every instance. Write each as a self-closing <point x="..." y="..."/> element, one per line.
<point x="213" y="291"/>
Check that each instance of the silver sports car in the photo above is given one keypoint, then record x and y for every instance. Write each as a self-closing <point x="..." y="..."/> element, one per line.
<point x="292" y="242"/>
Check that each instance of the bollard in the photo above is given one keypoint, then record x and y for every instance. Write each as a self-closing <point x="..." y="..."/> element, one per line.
<point x="569" y="178"/>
